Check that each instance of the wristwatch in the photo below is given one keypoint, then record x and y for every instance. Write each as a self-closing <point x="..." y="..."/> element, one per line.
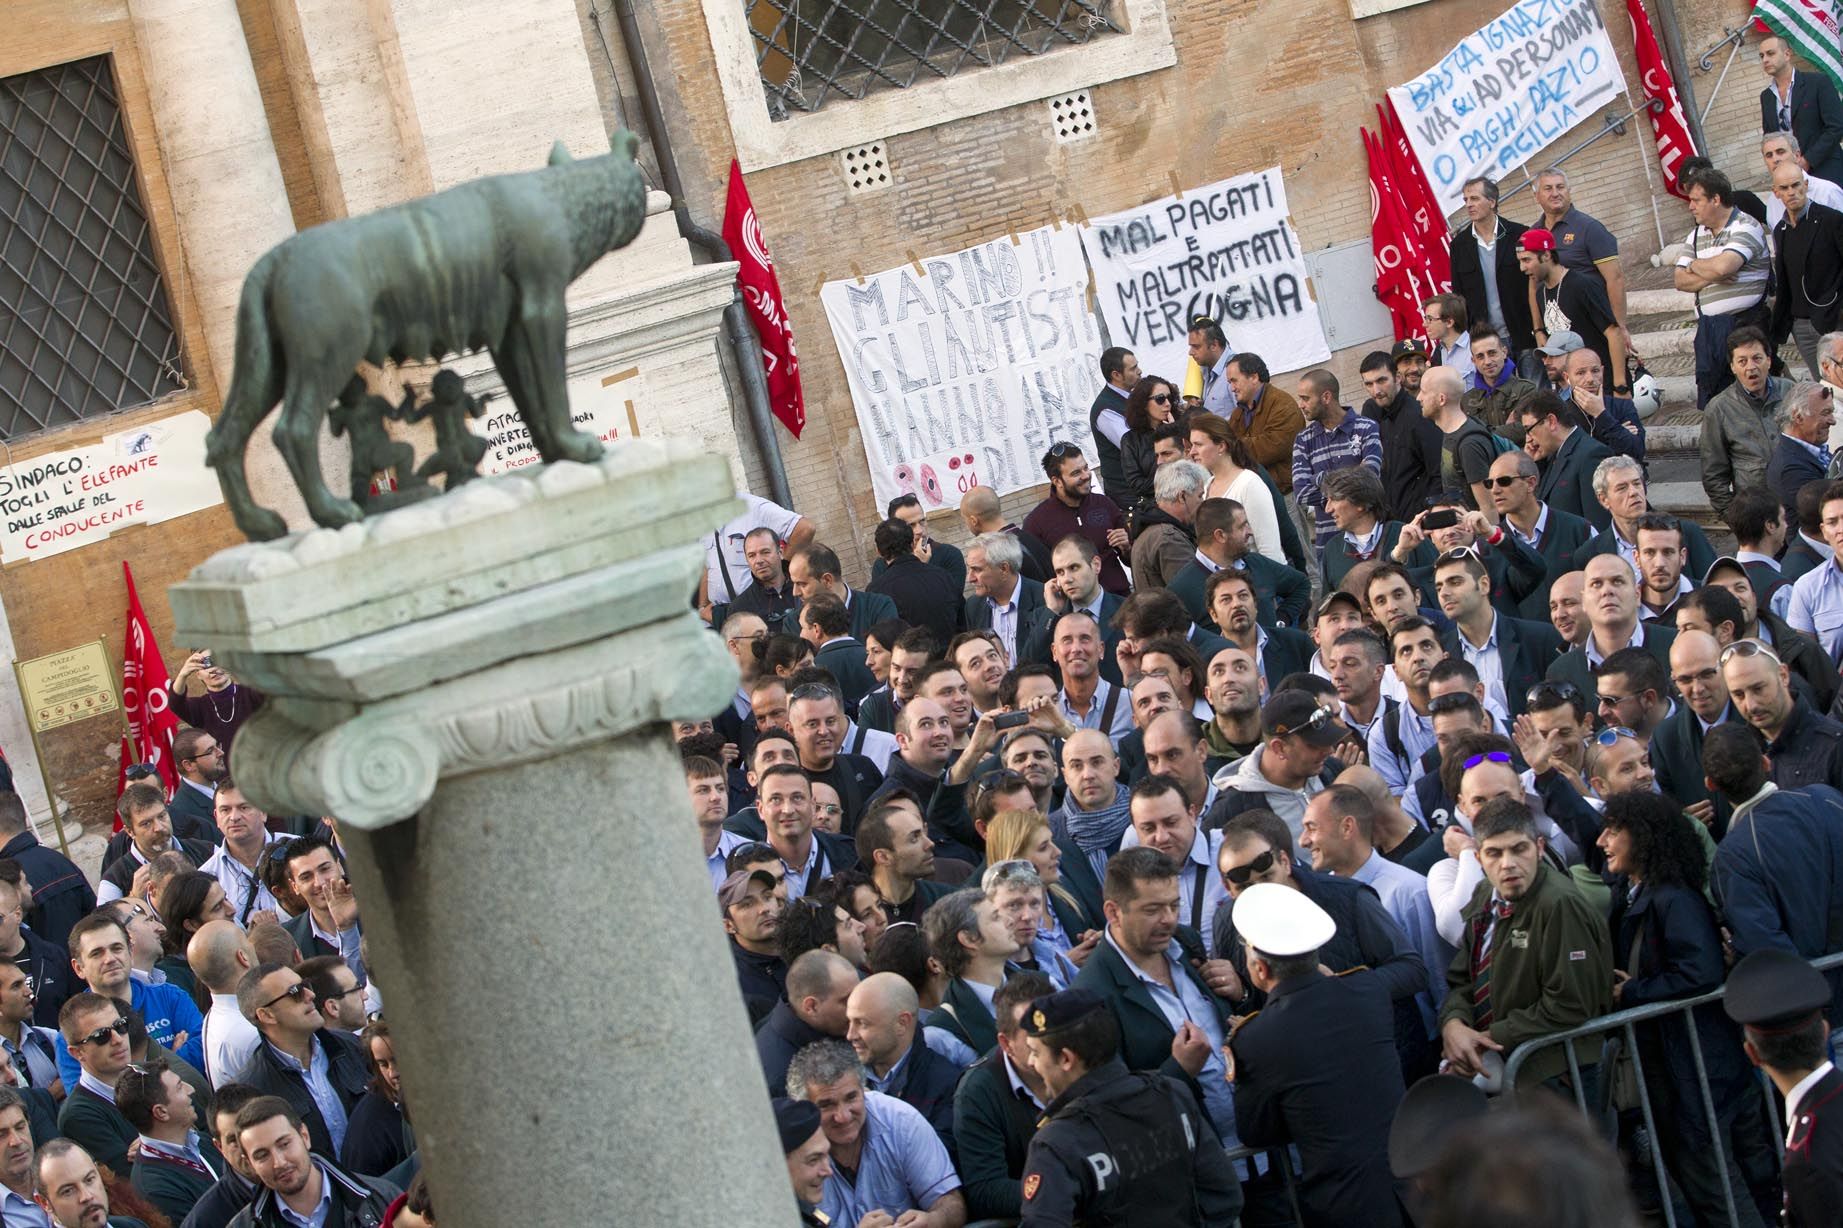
<point x="1623" y="389"/>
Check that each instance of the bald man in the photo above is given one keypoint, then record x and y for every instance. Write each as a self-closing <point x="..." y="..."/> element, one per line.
<point x="1466" y="446"/>
<point x="818" y="985"/>
<point x="883" y="1024"/>
<point x="1094" y="807"/>
<point x="1609" y="604"/>
<point x="219" y="954"/>
<point x="980" y="513"/>
<point x="1395" y="834"/>
<point x="1676" y="744"/>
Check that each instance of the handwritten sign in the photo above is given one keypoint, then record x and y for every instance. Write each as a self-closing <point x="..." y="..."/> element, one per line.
<point x="63" y="500"/>
<point x="67" y="686"/>
<point x="964" y="374"/>
<point x="605" y="410"/>
<point x="1494" y="101"/>
<point x="1225" y="251"/>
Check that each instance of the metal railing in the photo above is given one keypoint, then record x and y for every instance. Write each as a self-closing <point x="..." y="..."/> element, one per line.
<point x="1621" y="1027"/>
<point x="1610" y="123"/>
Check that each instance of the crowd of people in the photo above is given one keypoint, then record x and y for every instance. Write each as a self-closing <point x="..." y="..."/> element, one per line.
<point x="1285" y="783"/>
<point x="194" y="1041"/>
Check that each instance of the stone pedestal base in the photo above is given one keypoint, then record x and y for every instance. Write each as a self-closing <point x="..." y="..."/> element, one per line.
<point x="476" y="688"/>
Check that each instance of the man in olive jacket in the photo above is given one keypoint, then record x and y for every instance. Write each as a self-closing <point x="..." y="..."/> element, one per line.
<point x="1535" y="957"/>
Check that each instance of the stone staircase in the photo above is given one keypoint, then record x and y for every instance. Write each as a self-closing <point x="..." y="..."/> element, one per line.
<point x="1663" y="325"/>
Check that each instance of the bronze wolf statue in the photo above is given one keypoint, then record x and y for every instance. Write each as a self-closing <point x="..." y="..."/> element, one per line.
<point x="482" y="264"/>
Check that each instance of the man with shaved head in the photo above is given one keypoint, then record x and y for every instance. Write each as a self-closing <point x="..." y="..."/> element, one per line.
<point x="1174" y="747"/>
<point x="1466" y="448"/>
<point x="1396" y="835"/>
<point x="220" y="955"/>
<point x="1094" y="810"/>
<point x="818" y="985"/>
<point x="980" y="513"/>
<point x="882" y="1023"/>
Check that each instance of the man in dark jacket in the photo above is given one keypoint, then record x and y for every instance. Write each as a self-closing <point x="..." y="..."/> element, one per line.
<point x="1676" y="745"/>
<point x="1521" y="650"/>
<point x="1002" y="594"/>
<point x="1410" y="443"/>
<point x="237" y="1188"/>
<point x="818" y="985"/>
<point x="47" y="968"/>
<point x="825" y="624"/>
<point x="298" y="1046"/>
<point x="61" y="894"/>
<point x="1778" y="873"/>
<point x="1486" y="250"/>
<point x="72" y="1190"/>
<point x="1808" y="261"/>
<point x="1556" y="435"/>
<point x="883" y="1026"/>
<point x="814" y="569"/>
<point x="997" y="1104"/>
<point x="1316" y="1067"/>
<point x="1225" y="541"/>
<point x="924" y="595"/>
<point x="1801" y="454"/>
<point x="276" y="1140"/>
<point x="1804" y="104"/>
<point x="1806" y="747"/>
<point x="924" y="736"/>
<point x="175" y="1164"/>
<point x="1552" y="533"/>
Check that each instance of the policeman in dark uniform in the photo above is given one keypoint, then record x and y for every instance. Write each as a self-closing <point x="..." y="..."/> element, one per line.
<point x="809" y="1156"/>
<point x="1316" y="1066"/>
<point x="1115" y="1147"/>
<point x="1779" y="1000"/>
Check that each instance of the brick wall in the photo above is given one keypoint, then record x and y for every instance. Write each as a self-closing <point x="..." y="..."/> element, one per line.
<point x="1246" y="93"/>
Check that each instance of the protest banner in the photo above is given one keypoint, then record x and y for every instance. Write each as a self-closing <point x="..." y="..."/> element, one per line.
<point x="1225" y="251"/>
<point x="63" y="500"/>
<point x="965" y="371"/>
<point x="1508" y="89"/>
<point x="604" y="409"/>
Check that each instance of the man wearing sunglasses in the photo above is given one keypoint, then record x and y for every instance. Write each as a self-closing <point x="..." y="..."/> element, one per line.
<point x="95" y="1032"/>
<point x="1806" y="747"/>
<point x="100" y="953"/>
<point x="1552" y="533"/>
<point x="1289" y="767"/>
<point x="320" y="1072"/>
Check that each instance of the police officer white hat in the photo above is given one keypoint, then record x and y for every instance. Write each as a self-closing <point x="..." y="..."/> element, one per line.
<point x="1277" y="920"/>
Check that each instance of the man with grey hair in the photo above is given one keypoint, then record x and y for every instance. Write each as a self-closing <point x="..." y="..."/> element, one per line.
<point x="973" y="943"/>
<point x="1003" y="601"/>
<point x="907" y="1173"/>
<point x="1807" y="261"/>
<point x="1778" y="147"/>
<point x="1619" y="485"/>
<point x="1830" y="370"/>
<point x="1166" y="542"/>
<point x="1805" y="417"/>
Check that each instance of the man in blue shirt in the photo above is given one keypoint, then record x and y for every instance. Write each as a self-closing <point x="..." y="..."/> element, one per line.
<point x="99" y="953"/>
<point x="1816" y="607"/>
<point x="885" y="1155"/>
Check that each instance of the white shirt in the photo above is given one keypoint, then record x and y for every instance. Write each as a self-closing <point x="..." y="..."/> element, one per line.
<point x="1820" y="191"/>
<point x="238" y="881"/>
<point x="229" y="1040"/>
<point x="724" y="548"/>
<point x="1796" y="1096"/>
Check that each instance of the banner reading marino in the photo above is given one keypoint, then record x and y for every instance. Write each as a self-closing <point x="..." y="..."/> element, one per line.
<point x="1507" y="90"/>
<point x="1226" y="251"/>
<point x="965" y="368"/>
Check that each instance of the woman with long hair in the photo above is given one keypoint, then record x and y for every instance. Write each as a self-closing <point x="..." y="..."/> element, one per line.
<point x="1024" y="835"/>
<point x="1232" y="476"/>
<point x="186" y="903"/>
<point x="1667" y="945"/>
<point x="378" y="1135"/>
<point x="781" y="654"/>
<point x="1149" y="406"/>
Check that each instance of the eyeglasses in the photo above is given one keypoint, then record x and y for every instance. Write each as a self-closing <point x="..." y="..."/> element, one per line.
<point x="1567" y="692"/>
<point x="1504" y="482"/>
<point x="1490" y="756"/>
<point x="295" y="991"/>
<point x="1318" y="720"/>
<point x="1062" y="451"/>
<point x="101" y="1035"/>
<point x="1611" y="734"/>
<point x="1685" y="681"/>
<point x="1239" y="876"/>
<point x="1459" y="554"/>
<point x="1197" y="322"/>
<point x="1748" y="648"/>
<point x="1458" y="701"/>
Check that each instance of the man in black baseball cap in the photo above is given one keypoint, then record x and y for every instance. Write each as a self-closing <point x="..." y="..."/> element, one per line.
<point x="809" y="1155"/>
<point x="1174" y="1172"/>
<point x="1410" y="358"/>
<point x="1779" y="1000"/>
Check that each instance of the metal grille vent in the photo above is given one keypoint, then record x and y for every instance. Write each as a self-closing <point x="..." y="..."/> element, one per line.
<point x="811" y="51"/>
<point x="866" y="168"/>
<point x="1071" y="117"/>
<point x="85" y="329"/>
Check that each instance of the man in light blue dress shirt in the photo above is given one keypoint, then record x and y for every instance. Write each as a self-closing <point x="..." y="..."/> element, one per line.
<point x="1816" y="607"/>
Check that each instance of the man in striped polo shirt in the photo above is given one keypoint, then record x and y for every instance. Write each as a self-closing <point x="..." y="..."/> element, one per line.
<point x="1727" y="274"/>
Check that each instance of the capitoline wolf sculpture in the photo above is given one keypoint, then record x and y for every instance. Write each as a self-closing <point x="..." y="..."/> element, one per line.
<point x="481" y="265"/>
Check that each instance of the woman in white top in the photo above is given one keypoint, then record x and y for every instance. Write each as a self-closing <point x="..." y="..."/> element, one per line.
<point x="1232" y="477"/>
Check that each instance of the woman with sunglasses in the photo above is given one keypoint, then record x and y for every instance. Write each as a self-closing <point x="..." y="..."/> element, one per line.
<point x="1149" y="407"/>
<point x="1024" y="835"/>
<point x="1233" y="476"/>
<point x="1667" y="945"/>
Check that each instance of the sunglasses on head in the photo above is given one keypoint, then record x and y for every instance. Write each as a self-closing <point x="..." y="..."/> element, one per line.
<point x="1240" y="876"/>
<point x="1611" y="734"/>
<point x="1567" y="692"/>
<point x="1458" y="701"/>
<point x="101" y="1035"/>
<point x="1318" y="720"/>
<point x="1060" y="450"/>
<point x="1490" y="756"/>
<point x="1748" y="648"/>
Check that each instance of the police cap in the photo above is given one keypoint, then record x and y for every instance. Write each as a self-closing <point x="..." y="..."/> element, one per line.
<point x="797" y="1120"/>
<point x="1059" y="1010"/>
<point x="1277" y="920"/>
<point x="1434" y="1110"/>
<point x="1773" y="989"/>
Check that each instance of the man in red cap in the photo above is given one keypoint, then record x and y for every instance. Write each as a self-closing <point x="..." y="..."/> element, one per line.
<point x="1570" y="302"/>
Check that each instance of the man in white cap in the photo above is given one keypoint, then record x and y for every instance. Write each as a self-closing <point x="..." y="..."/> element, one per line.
<point x="1316" y="1067"/>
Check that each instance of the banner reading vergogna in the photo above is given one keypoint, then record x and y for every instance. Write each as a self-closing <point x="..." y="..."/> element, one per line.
<point x="965" y="372"/>
<point x="1509" y="88"/>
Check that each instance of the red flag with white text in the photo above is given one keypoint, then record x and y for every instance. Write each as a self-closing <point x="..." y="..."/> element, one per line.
<point x="761" y="294"/>
<point x="1396" y="252"/>
<point x="1421" y="211"/>
<point x="1668" y="124"/>
<point x="144" y="698"/>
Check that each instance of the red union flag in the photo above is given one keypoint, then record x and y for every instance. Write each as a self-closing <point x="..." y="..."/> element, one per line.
<point x="1667" y="123"/>
<point x="144" y="699"/>
<point x="761" y="294"/>
<point x="1397" y="254"/>
<point x="1421" y="212"/>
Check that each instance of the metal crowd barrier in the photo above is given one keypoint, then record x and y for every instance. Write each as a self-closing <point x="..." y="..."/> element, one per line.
<point x="1620" y="1028"/>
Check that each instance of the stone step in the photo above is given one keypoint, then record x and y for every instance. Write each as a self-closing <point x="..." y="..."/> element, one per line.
<point x="1661" y="342"/>
<point x="1671" y="439"/>
<point x="1690" y="501"/>
<point x="1659" y="302"/>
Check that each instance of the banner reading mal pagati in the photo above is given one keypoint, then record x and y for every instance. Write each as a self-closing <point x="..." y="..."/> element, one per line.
<point x="1226" y="251"/>
<point x="963" y="372"/>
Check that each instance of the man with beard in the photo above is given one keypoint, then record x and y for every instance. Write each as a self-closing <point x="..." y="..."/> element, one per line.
<point x="1552" y="533"/>
<point x="1510" y="654"/>
<point x="201" y="763"/>
<point x="71" y="1190"/>
<point x="1410" y="445"/>
<point x="1804" y="747"/>
<point x="753" y="901"/>
<point x="770" y="597"/>
<point x="1358" y="662"/>
<point x="1234" y="693"/>
<point x="893" y="845"/>
<point x="296" y="1181"/>
<point x="1278" y="651"/>
<point x="982" y="662"/>
<point x="1073" y="508"/>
